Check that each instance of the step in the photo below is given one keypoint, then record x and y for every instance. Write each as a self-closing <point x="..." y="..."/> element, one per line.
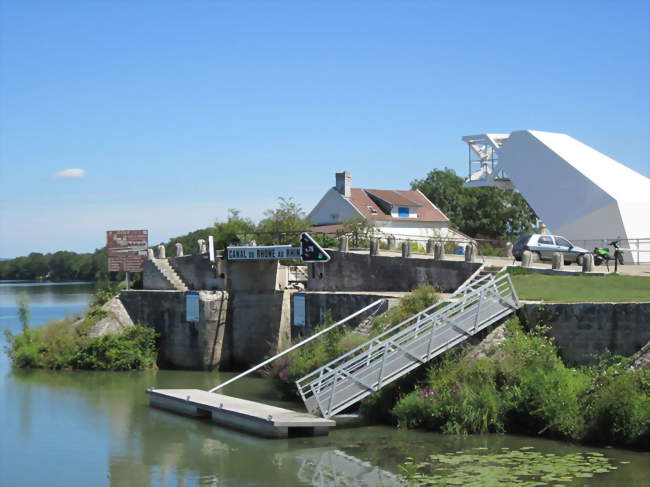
<point x="248" y="416"/>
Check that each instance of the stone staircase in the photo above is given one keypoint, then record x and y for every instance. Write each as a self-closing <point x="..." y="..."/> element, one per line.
<point x="170" y="274"/>
<point x="484" y="270"/>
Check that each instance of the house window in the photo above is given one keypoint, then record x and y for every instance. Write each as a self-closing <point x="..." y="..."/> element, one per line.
<point x="334" y="217"/>
<point x="403" y="212"/>
<point x="372" y="210"/>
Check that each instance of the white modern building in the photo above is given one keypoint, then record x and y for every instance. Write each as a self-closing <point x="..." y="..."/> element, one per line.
<point x="405" y="214"/>
<point x="575" y="190"/>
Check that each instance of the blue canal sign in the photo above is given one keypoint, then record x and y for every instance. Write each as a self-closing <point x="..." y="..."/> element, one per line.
<point x="192" y="314"/>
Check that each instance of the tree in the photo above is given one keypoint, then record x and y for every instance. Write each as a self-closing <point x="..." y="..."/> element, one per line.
<point x="483" y="212"/>
<point x="282" y="224"/>
<point x="445" y="190"/>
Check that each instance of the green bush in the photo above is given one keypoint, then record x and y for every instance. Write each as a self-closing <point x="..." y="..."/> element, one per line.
<point x="64" y="344"/>
<point x="525" y="387"/>
<point x="617" y="408"/>
<point x="417" y="300"/>
<point x="488" y="249"/>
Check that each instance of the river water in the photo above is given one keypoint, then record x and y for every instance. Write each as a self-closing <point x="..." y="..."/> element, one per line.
<point x="87" y="429"/>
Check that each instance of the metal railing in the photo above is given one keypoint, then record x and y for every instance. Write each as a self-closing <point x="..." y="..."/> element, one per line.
<point x="407" y="345"/>
<point x="298" y="345"/>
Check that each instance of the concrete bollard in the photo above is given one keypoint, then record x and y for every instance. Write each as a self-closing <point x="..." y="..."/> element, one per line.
<point x="391" y="242"/>
<point x="526" y="258"/>
<point x="150" y="254"/>
<point x="406" y="249"/>
<point x="344" y="244"/>
<point x="588" y="263"/>
<point x="430" y="246"/>
<point x="470" y="253"/>
<point x="558" y="260"/>
<point x="439" y="251"/>
<point x="374" y="246"/>
<point x="509" y="249"/>
<point x="179" y="249"/>
<point x="202" y="246"/>
<point x="161" y="251"/>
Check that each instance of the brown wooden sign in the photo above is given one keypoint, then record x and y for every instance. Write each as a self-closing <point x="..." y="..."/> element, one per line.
<point x="127" y="250"/>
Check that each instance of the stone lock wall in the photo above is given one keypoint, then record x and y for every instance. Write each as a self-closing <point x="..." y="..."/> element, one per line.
<point x="362" y="272"/>
<point x="584" y="332"/>
<point x="183" y="345"/>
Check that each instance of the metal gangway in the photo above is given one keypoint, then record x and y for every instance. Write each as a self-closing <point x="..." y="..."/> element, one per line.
<point x="407" y="345"/>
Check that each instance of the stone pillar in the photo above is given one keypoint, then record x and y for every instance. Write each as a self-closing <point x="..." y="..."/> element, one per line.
<point x="150" y="254"/>
<point x="588" y="263"/>
<point x="509" y="249"/>
<point x="439" y="251"/>
<point x="558" y="260"/>
<point x="161" y="251"/>
<point x="526" y="258"/>
<point x="391" y="242"/>
<point x="344" y="244"/>
<point x="179" y="249"/>
<point x="202" y="246"/>
<point x="374" y="246"/>
<point x="430" y="246"/>
<point x="470" y="253"/>
<point x="406" y="249"/>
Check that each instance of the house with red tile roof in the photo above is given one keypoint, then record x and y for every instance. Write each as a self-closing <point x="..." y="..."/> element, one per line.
<point x="405" y="214"/>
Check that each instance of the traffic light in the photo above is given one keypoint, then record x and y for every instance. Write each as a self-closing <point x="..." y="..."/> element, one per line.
<point x="310" y="251"/>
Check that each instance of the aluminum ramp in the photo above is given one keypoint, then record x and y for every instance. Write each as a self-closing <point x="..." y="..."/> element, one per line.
<point x="407" y="345"/>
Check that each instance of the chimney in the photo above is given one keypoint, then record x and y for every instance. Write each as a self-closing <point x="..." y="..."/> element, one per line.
<point x="343" y="181"/>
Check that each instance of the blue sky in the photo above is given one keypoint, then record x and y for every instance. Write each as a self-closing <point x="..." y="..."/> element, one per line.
<point x="176" y="111"/>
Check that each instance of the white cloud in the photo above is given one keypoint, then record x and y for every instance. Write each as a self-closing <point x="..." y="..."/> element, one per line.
<point x="70" y="173"/>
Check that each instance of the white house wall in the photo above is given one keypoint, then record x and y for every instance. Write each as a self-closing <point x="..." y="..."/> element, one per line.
<point x="333" y="203"/>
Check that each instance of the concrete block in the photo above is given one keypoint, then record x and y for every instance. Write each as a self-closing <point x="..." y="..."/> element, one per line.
<point x="526" y="258"/>
<point x="344" y="244"/>
<point x="374" y="246"/>
<point x="406" y="249"/>
<point x="588" y="263"/>
<point x="161" y="252"/>
<point x="558" y="261"/>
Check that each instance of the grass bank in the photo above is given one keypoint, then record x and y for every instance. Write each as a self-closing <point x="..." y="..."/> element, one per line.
<point x="581" y="288"/>
<point x="66" y="344"/>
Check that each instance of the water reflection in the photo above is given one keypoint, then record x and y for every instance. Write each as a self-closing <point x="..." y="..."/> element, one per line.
<point x="330" y="467"/>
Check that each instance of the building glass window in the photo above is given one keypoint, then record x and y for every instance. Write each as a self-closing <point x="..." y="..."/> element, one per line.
<point x="403" y="212"/>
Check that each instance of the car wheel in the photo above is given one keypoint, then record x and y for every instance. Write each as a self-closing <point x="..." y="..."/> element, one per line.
<point x="580" y="259"/>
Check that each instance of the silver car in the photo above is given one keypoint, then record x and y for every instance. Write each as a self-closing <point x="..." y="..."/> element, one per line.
<point x="544" y="246"/>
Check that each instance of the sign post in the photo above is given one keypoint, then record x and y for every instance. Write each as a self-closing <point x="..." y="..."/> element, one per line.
<point x="127" y="251"/>
<point x="309" y="251"/>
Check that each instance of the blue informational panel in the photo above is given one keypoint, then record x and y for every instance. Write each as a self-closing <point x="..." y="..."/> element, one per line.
<point x="299" y="309"/>
<point x="192" y="307"/>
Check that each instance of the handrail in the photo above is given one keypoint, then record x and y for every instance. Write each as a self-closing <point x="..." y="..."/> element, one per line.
<point x="347" y="366"/>
<point x="298" y="345"/>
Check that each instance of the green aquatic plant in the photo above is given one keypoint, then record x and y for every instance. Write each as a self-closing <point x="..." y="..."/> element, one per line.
<point x="505" y="468"/>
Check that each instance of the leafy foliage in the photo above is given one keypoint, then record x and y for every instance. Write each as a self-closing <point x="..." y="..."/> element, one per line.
<point x="481" y="212"/>
<point x="524" y="387"/>
<point x="65" y="344"/>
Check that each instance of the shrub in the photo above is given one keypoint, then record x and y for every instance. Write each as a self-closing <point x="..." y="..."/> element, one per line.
<point x="417" y="300"/>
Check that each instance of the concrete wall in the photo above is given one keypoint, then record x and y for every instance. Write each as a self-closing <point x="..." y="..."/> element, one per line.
<point x="584" y="331"/>
<point x="260" y="322"/>
<point x="182" y="345"/>
<point x="340" y="305"/>
<point x="197" y="272"/>
<point x="357" y="272"/>
<point x="153" y="279"/>
<point x="255" y="276"/>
